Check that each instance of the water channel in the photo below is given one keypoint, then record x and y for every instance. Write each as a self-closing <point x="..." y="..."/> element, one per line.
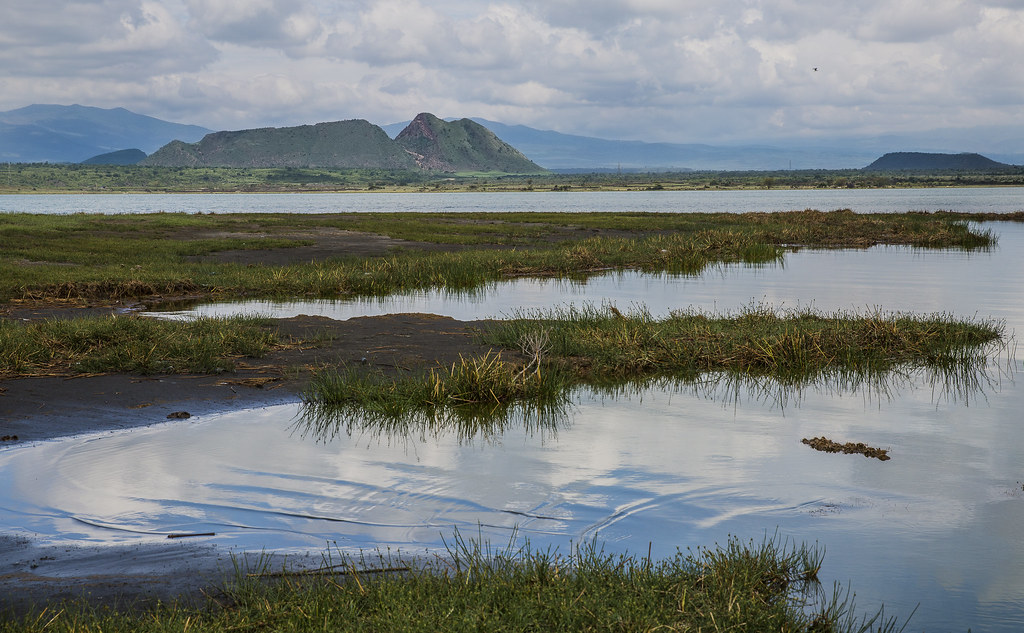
<point x="664" y="467"/>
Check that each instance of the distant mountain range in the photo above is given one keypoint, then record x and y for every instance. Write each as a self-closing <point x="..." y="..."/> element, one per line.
<point x="53" y="133"/>
<point x="572" y="153"/>
<point x="427" y="143"/>
<point x="72" y="134"/>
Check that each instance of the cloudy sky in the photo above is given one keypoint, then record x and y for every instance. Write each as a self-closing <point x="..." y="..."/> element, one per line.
<point x="674" y="70"/>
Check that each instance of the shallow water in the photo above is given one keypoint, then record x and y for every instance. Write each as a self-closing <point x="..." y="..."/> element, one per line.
<point x="937" y="525"/>
<point x="893" y="279"/>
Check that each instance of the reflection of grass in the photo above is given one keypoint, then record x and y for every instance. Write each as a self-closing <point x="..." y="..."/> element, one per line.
<point x="129" y="344"/>
<point x="467" y="424"/>
<point x="469" y="396"/>
<point x="736" y="587"/>
<point x="757" y="348"/>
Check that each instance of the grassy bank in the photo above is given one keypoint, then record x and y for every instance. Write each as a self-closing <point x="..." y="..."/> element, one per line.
<point x="749" y="587"/>
<point x="130" y="344"/>
<point x="96" y="258"/>
<point x="602" y="344"/>
<point x="602" y="347"/>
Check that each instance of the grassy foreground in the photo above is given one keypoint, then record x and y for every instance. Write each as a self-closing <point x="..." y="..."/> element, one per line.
<point x="735" y="587"/>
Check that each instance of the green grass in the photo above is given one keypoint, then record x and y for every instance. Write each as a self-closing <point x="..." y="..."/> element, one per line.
<point x="602" y="344"/>
<point x="130" y="344"/>
<point x="475" y="396"/>
<point x="735" y="587"/>
<point x="95" y="257"/>
<point x="600" y="347"/>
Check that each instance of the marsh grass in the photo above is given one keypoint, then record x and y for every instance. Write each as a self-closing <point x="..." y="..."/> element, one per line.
<point x="771" y="354"/>
<point x="113" y="257"/>
<point x="471" y="396"/>
<point x="130" y="344"/>
<point x="771" y="586"/>
<point x="602" y="344"/>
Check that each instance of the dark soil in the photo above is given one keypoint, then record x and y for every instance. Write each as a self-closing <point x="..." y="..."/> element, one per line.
<point x="53" y="406"/>
<point x="327" y="243"/>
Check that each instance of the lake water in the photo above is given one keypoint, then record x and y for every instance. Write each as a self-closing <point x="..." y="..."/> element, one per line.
<point x="980" y="199"/>
<point x="935" y="526"/>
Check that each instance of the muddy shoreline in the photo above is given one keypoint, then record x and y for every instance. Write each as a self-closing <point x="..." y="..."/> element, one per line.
<point x="47" y="407"/>
<point x="35" y="575"/>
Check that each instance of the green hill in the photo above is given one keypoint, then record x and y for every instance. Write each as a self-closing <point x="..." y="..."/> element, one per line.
<point x="921" y="161"/>
<point x="340" y="144"/>
<point x="427" y="143"/>
<point x="462" y="145"/>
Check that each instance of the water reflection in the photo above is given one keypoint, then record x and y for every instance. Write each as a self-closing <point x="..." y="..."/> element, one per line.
<point x="965" y="382"/>
<point x="467" y="424"/>
<point x="673" y="465"/>
<point x="896" y="279"/>
<point x="962" y="382"/>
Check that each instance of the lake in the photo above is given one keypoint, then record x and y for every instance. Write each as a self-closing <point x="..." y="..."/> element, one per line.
<point x="664" y="467"/>
<point x="975" y="199"/>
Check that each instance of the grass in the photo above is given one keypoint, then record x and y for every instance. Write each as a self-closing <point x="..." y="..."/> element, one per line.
<point x="738" y="586"/>
<point x="475" y="396"/>
<point x="602" y="344"/>
<point x="130" y="344"/>
<point x="604" y="348"/>
<point x="109" y="258"/>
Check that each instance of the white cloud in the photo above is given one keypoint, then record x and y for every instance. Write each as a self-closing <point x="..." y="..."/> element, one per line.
<point x="676" y="70"/>
<point x="126" y="39"/>
<point x="282" y="24"/>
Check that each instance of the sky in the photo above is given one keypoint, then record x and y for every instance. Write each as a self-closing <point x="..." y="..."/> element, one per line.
<point x="719" y="71"/>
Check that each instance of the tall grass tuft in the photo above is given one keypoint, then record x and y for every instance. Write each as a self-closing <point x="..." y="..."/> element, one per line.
<point x="470" y="396"/>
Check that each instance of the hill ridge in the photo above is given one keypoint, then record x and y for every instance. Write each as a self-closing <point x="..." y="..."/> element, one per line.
<point x="460" y="145"/>
<point x="427" y="143"/>
<point x="930" y="161"/>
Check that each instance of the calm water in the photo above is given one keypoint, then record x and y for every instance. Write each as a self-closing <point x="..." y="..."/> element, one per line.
<point x="937" y="525"/>
<point x="995" y="200"/>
